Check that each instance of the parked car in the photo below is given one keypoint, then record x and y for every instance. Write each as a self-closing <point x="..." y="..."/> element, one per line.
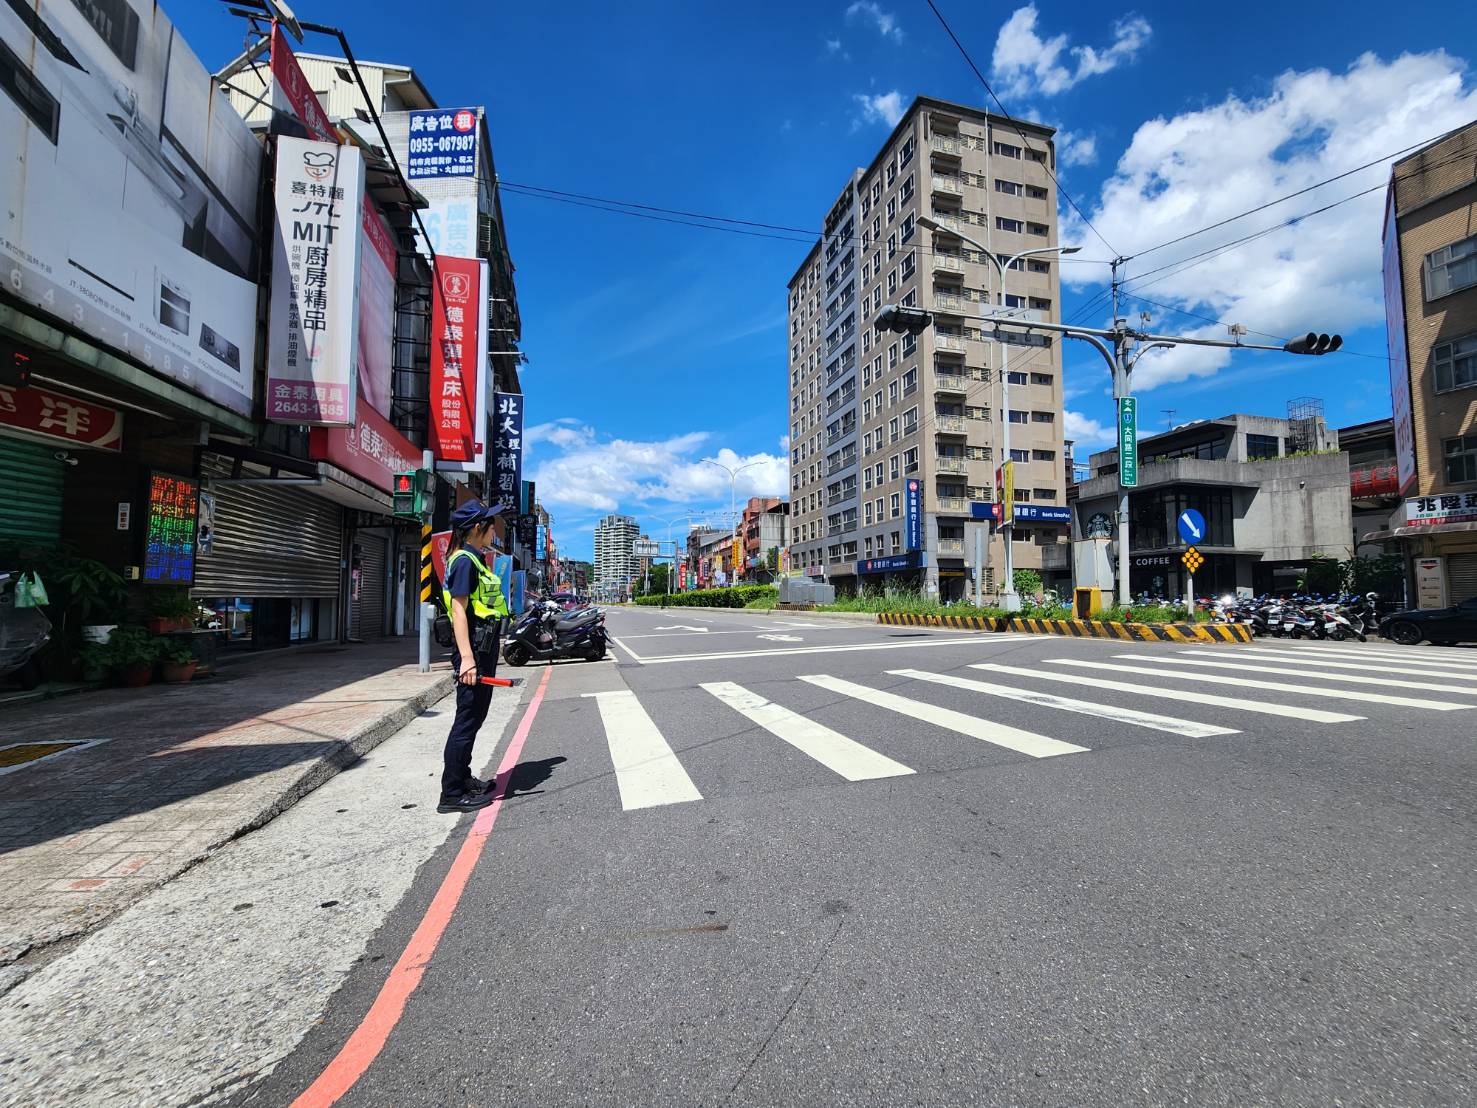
<point x="1442" y="626"/>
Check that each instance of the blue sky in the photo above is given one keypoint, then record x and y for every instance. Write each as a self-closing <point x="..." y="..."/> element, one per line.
<point x="653" y="345"/>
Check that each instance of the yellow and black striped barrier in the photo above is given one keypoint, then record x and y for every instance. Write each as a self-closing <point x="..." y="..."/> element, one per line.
<point x="427" y="567"/>
<point x="1079" y="628"/>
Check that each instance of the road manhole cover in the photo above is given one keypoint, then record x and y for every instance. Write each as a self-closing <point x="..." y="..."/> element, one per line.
<point x="17" y="756"/>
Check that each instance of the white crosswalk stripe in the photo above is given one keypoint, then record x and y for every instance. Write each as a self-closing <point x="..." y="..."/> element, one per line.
<point x="1271" y="686"/>
<point x="1185" y="727"/>
<point x="831" y="749"/>
<point x="647" y="773"/>
<point x="1012" y="738"/>
<point x="1254" y="665"/>
<point x="1286" y="711"/>
<point x="1286" y="658"/>
<point x="1375" y="655"/>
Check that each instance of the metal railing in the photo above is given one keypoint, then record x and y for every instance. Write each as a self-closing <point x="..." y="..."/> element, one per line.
<point x="949" y="342"/>
<point x="951" y="262"/>
<point x="950" y="302"/>
<point x="951" y="546"/>
<point x="839" y="464"/>
<point x="952" y="504"/>
<point x="949" y="424"/>
<point x="946" y="219"/>
<point x="947" y="145"/>
<point x="835" y="404"/>
<point x="947" y="463"/>
<point x="950" y="382"/>
<point x="947" y="182"/>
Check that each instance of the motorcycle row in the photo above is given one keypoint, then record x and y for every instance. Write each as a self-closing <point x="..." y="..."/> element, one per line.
<point x="555" y="627"/>
<point x="1302" y="617"/>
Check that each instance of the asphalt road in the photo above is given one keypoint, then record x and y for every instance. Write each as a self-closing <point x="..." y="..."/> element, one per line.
<point x="760" y="860"/>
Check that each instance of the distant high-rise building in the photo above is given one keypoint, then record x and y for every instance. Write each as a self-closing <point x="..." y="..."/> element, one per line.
<point x="879" y="419"/>
<point x="614" y="565"/>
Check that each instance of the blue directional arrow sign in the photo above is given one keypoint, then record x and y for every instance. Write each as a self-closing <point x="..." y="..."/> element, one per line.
<point x="1192" y="526"/>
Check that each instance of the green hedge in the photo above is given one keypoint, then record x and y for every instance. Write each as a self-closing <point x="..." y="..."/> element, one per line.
<point x="738" y="597"/>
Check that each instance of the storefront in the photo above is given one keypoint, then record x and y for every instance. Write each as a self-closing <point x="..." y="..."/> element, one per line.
<point x="1438" y="535"/>
<point x="897" y="571"/>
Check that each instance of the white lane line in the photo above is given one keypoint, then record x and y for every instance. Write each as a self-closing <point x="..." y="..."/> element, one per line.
<point x="831" y="749"/>
<point x="1283" y="658"/>
<point x="1188" y="728"/>
<point x="1272" y="686"/>
<point x="1374" y="655"/>
<point x="1287" y="711"/>
<point x="646" y="771"/>
<point x="1012" y="738"/>
<point x="634" y="656"/>
<point x="777" y="653"/>
<point x="1255" y="666"/>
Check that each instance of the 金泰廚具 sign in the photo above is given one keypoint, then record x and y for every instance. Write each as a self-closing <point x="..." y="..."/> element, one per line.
<point x="1128" y="441"/>
<point x="313" y="348"/>
<point x="1428" y="511"/>
<point x="170" y="530"/>
<point x="443" y="143"/>
<point x="505" y="461"/>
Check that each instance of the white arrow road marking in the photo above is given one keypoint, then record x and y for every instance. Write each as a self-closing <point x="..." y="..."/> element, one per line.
<point x="781" y="638"/>
<point x="680" y="627"/>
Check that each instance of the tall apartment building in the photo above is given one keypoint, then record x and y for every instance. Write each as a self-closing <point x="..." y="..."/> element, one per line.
<point x="876" y="416"/>
<point x="614" y="565"/>
<point x="1430" y="266"/>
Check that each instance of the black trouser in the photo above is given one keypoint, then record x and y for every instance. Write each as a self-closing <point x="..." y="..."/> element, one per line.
<point x="472" y="702"/>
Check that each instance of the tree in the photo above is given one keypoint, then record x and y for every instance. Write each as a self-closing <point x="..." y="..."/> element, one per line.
<point x="772" y="559"/>
<point x="1382" y="574"/>
<point x="659" y="574"/>
<point x="1325" y="575"/>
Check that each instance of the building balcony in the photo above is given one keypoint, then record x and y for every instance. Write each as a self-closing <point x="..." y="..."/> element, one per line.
<point x="839" y="464"/>
<point x="951" y="505"/>
<point x="843" y="401"/>
<point x="948" y="183"/>
<point x="840" y="529"/>
<point x="948" y="263"/>
<point x="949" y="342"/>
<point x="949" y="220"/>
<point x="950" y="302"/>
<point x="841" y="497"/>
<point x="947" y="144"/>
<point x="946" y="463"/>
<point x="949" y="424"/>
<point x="951" y="548"/>
<point x="840" y="371"/>
<point x="833" y="437"/>
<point x="950" y="382"/>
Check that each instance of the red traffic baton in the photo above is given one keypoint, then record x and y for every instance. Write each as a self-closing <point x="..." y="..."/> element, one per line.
<point x="503" y="682"/>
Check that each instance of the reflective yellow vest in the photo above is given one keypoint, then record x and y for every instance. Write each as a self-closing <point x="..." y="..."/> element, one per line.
<point x="486" y="601"/>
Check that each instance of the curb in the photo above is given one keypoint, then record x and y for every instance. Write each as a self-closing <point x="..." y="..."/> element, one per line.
<point x="1080" y="628"/>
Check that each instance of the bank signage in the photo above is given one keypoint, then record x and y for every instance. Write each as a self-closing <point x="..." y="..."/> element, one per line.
<point x="913" y="513"/>
<point x="914" y="559"/>
<point x="1042" y="513"/>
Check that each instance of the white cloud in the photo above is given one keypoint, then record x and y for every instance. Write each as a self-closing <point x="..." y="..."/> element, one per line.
<point x="867" y="11"/>
<point x="1073" y="149"/>
<point x="886" y="107"/>
<point x="1026" y="64"/>
<point x="607" y="475"/>
<point x="833" y="45"/>
<point x="564" y="433"/>
<point x="1202" y="166"/>
<point x="1086" y="432"/>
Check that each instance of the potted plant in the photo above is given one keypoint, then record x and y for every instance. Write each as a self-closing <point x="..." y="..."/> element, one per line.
<point x="94" y="591"/>
<point x="95" y="659"/>
<point x="170" y="610"/>
<point x="179" y="663"/>
<point x="132" y="652"/>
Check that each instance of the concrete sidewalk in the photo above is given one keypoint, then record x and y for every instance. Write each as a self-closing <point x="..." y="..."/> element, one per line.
<point x="177" y="771"/>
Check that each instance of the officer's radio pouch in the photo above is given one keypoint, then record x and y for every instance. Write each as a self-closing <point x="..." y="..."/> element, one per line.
<point x="485" y="636"/>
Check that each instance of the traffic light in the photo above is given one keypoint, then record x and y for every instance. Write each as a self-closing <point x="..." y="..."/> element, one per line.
<point x="902" y="320"/>
<point x="1314" y="343"/>
<point x="410" y="494"/>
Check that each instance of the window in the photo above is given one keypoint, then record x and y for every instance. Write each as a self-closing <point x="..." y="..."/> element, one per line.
<point x="1010" y="188"/>
<point x="876" y="190"/>
<point x="1022" y="494"/>
<point x="1014" y="301"/>
<point x="892" y="431"/>
<point x="891" y="209"/>
<point x="878" y="481"/>
<point x="1455" y="363"/>
<point x="1035" y="192"/>
<point x="867" y="518"/>
<point x="892" y="393"/>
<point x="1020" y="455"/>
<point x="1263" y="446"/>
<point x="1040" y="303"/>
<point x="910" y="421"/>
<point x="908" y="266"/>
<point x="1036" y="228"/>
<point x="897" y="542"/>
<point x="1019" y="417"/>
<point x="1037" y="266"/>
<point x="910" y="344"/>
<point x="1005" y="150"/>
<point x="1043" y="455"/>
<point x="910" y="460"/>
<point x="867" y="545"/>
<point x="877" y="396"/>
<point x="892" y="356"/>
<point x="895" y="503"/>
<point x="906" y="154"/>
<point x="892" y="467"/>
<point x="1461" y="459"/>
<point x="1015" y="378"/>
<point x="1043" y="417"/>
<point x="1041" y="378"/>
<point x="910" y="300"/>
<point x="910" y="380"/>
<point x="1451" y="268"/>
<point x="878" y="505"/>
<point x="1003" y="224"/>
<point x="892" y="282"/>
<point x="1045" y="494"/>
<point x="905" y="193"/>
<point x="866" y="409"/>
<point x="891" y="172"/>
<point x="892" y="244"/>
<point x="1037" y="156"/>
<point x="910" y="222"/>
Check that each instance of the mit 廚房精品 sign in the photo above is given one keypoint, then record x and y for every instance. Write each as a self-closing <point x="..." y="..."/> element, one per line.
<point x="170" y="530"/>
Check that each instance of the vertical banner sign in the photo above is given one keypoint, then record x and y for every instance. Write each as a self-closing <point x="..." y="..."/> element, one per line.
<point x="506" y="473"/>
<point x="292" y="93"/>
<point x="443" y="143"/>
<point x="1128" y="441"/>
<point x="1007" y="495"/>
<point x="170" y="530"/>
<point x="737" y="561"/>
<point x="1396" y="343"/>
<point x="456" y="311"/>
<point x="313" y="351"/>
<point x="479" y="382"/>
<point x="913" y="514"/>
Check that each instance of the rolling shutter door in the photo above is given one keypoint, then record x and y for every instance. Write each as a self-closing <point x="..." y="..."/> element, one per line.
<point x="30" y="491"/>
<point x="270" y="541"/>
<point x="369" y="610"/>
<point x="1461" y="577"/>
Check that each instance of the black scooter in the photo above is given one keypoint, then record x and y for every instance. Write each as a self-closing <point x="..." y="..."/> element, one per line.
<point x="546" y="632"/>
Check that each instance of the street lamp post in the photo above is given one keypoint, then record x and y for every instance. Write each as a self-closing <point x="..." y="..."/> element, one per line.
<point x="733" y="495"/>
<point x="1009" y="599"/>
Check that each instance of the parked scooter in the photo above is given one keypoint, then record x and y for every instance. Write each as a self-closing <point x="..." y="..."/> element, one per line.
<point x="23" y="632"/>
<point x="546" y="632"/>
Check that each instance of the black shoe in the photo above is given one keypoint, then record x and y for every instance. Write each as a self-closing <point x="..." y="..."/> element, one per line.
<point x="467" y="802"/>
<point x="477" y="785"/>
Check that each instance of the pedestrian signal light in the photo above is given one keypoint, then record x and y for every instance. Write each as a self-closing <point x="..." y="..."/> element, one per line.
<point x="1314" y="343"/>
<point x="409" y="494"/>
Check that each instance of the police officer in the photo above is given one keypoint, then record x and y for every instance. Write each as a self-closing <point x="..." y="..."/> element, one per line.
<point x="474" y="600"/>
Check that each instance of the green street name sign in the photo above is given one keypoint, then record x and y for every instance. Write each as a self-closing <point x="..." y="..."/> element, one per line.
<point x="1128" y="441"/>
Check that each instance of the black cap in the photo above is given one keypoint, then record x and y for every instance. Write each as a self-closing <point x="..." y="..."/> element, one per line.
<point x="472" y="514"/>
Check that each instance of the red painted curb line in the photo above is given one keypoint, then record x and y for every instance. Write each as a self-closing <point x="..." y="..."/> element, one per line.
<point x="369" y="1038"/>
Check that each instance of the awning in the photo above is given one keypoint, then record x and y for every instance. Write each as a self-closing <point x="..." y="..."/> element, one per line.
<point x="1416" y="531"/>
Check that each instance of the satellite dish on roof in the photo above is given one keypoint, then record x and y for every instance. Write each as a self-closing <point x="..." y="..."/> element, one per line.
<point x="283" y="15"/>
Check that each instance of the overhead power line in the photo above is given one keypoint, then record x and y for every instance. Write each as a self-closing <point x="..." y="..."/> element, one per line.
<point x="970" y="61"/>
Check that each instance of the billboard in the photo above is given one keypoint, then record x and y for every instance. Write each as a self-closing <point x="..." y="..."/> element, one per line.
<point x="505" y="473"/>
<point x="128" y="204"/>
<point x="377" y="265"/>
<point x="313" y="346"/>
<point x="443" y="143"/>
<point x="480" y="385"/>
<point x="451" y="225"/>
<point x="1399" y="355"/>
<point x="457" y="309"/>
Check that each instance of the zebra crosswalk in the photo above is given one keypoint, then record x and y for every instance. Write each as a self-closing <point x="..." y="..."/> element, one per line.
<point x="847" y="728"/>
